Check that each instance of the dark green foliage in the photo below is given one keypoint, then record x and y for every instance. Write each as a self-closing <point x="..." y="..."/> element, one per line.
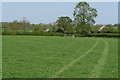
<point x="83" y="17"/>
<point x="60" y="30"/>
<point x="34" y="33"/>
<point x="111" y="29"/>
<point x="84" y="14"/>
<point x="64" y="24"/>
<point x="116" y="25"/>
<point x="105" y="35"/>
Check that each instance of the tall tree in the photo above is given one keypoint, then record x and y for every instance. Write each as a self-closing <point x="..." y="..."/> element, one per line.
<point x="84" y="16"/>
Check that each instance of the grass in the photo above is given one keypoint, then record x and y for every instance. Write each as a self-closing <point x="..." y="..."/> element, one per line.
<point x="59" y="57"/>
<point x="0" y="57"/>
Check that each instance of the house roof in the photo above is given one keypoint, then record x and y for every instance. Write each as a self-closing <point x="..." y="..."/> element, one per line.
<point x="102" y="27"/>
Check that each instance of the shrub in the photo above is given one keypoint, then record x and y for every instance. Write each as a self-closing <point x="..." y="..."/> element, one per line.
<point x="33" y="33"/>
<point x="104" y="35"/>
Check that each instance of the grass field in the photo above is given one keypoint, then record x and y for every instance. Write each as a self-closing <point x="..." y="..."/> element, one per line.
<point x="0" y="57"/>
<point x="59" y="57"/>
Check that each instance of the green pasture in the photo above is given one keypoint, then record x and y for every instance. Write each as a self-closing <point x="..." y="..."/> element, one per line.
<point x="59" y="57"/>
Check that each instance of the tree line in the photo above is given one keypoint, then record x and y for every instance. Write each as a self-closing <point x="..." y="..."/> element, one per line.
<point x="83" y="24"/>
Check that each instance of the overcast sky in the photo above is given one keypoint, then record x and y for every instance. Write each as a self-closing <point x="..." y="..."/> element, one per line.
<point x="47" y="12"/>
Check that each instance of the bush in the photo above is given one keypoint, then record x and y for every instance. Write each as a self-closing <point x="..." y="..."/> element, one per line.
<point x="104" y="35"/>
<point x="60" y="34"/>
<point x="33" y="33"/>
<point x="80" y="35"/>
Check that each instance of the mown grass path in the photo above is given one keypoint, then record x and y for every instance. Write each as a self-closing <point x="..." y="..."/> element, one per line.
<point x="97" y="70"/>
<point x="73" y="61"/>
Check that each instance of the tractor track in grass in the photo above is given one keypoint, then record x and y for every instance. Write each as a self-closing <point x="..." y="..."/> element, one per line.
<point x="73" y="62"/>
<point x="97" y="69"/>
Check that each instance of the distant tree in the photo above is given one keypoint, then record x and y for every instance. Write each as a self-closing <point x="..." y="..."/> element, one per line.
<point x="84" y="16"/>
<point x="54" y="27"/>
<point x="14" y="26"/>
<point x="25" y="24"/>
<point x="116" y="25"/>
<point x="5" y="25"/>
<point x="64" y="24"/>
<point x="111" y="29"/>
